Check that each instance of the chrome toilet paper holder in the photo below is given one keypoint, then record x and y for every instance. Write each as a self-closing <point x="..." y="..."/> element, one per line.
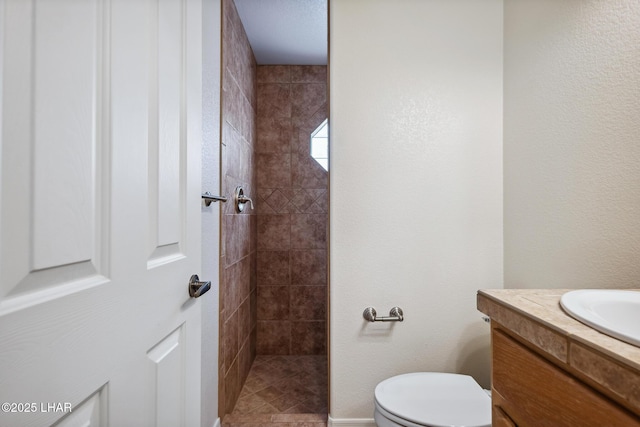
<point x="395" y="315"/>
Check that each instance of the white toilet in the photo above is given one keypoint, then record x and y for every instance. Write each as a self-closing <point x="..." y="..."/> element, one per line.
<point x="431" y="399"/>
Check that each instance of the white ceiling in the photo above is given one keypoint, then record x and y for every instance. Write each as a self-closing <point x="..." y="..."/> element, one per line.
<point x="286" y="32"/>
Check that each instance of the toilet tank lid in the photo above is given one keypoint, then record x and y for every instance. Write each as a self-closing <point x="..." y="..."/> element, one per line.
<point x="435" y="399"/>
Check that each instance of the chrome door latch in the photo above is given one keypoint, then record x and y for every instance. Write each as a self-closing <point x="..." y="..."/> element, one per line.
<point x="198" y="288"/>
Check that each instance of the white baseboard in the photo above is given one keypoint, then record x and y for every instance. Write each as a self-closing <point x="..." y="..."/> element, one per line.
<point x="350" y="422"/>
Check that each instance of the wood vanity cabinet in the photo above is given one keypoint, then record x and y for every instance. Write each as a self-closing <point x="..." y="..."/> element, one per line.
<point x="500" y="419"/>
<point x="530" y="391"/>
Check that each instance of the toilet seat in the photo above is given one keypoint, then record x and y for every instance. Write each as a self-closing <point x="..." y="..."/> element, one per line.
<point x="433" y="399"/>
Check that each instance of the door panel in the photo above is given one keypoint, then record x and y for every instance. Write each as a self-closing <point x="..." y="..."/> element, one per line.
<point x="90" y="413"/>
<point x="52" y="219"/>
<point x="166" y="132"/>
<point x="169" y="366"/>
<point x="100" y="117"/>
<point x="64" y="65"/>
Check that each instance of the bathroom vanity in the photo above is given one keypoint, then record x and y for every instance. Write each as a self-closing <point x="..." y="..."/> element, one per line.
<point x="551" y="370"/>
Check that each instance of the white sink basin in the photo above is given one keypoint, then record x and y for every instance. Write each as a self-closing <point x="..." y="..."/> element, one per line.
<point x="612" y="312"/>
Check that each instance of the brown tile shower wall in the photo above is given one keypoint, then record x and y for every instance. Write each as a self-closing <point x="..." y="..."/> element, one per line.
<point x="238" y="297"/>
<point x="292" y="211"/>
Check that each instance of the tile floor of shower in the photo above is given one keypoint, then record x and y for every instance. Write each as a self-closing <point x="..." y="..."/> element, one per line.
<point x="283" y="391"/>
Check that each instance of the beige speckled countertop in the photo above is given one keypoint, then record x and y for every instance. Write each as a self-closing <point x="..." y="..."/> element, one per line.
<point x="536" y="316"/>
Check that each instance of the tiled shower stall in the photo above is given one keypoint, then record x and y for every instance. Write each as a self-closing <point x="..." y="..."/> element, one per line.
<point x="273" y="289"/>
<point x="292" y="211"/>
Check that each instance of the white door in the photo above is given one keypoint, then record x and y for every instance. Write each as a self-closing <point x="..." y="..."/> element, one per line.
<point x="99" y="212"/>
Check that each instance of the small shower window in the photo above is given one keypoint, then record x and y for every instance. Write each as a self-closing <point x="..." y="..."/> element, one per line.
<point x="320" y="144"/>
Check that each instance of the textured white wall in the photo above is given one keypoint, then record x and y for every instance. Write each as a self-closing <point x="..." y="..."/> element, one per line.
<point x="210" y="215"/>
<point x="572" y="143"/>
<point x="416" y="189"/>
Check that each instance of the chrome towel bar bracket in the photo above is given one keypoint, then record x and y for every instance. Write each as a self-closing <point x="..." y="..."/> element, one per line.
<point x="395" y="315"/>
<point x="210" y="198"/>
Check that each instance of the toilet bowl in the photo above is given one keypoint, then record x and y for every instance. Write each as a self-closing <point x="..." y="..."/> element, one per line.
<point x="431" y="399"/>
